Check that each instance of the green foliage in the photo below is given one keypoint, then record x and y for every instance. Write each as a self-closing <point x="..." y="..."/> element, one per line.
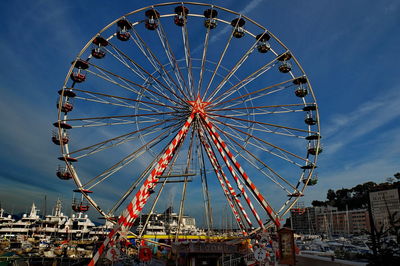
<point x="397" y="176"/>
<point x="318" y="203"/>
<point x="331" y="195"/>
<point x="385" y="243"/>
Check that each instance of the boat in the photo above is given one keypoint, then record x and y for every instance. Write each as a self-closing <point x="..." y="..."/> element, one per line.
<point x="25" y="226"/>
<point x="166" y="225"/>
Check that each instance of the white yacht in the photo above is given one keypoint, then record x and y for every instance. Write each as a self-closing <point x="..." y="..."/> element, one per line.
<point x="166" y="223"/>
<point x="26" y="226"/>
<point x="5" y="220"/>
<point x="78" y="226"/>
<point x="53" y="223"/>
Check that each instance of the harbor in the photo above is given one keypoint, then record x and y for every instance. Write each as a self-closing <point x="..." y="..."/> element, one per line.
<point x="73" y="240"/>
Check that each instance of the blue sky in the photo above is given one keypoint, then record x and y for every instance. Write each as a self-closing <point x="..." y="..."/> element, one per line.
<point x="349" y="50"/>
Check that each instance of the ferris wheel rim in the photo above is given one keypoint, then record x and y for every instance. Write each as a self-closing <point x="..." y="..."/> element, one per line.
<point x="65" y="147"/>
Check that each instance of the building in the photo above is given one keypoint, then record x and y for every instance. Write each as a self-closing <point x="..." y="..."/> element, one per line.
<point x="343" y="222"/>
<point x="328" y="220"/>
<point x="304" y="219"/>
<point x="385" y="206"/>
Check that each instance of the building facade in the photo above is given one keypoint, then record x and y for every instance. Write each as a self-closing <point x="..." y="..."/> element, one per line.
<point x="385" y="207"/>
<point x="330" y="221"/>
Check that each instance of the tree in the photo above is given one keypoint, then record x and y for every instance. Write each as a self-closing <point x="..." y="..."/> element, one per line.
<point x="331" y="195"/>
<point x="390" y="180"/>
<point x="318" y="203"/>
<point x="288" y="223"/>
<point x="397" y="176"/>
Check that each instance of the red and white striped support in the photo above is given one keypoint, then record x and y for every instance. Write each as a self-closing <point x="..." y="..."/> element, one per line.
<point x="222" y="148"/>
<point x="228" y="189"/>
<point x="224" y="180"/>
<point x="134" y="208"/>
<point x="238" y="183"/>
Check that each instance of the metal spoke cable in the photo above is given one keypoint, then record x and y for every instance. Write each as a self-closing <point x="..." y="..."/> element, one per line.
<point x="121" y="99"/>
<point x="121" y="136"/>
<point x="203" y="61"/>
<point x="172" y="59"/>
<point x="218" y="65"/>
<point x="129" y="83"/>
<point x="188" y="59"/>
<point x="242" y="83"/>
<point x="128" y="159"/>
<point x="233" y="70"/>
<point x="259" y="160"/>
<point x="263" y="141"/>
<point x="125" y="140"/>
<point x="145" y="75"/>
<point x="252" y="93"/>
<point x="156" y="63"/>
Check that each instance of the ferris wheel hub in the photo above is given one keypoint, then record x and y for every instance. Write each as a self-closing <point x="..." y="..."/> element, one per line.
<point x="198" y="106"/>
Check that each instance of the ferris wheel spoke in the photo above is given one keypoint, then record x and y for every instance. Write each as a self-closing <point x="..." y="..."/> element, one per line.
<point x="265" y="112"/>
<point x="236" y="143"/>
<point x="119" y="138"/>
<point x="98" y="124"/>
<point x="116" y="116"/>
<point x="122" y="101"/>
<point x="127" y="160"/>
<point x="234" y="69"/>
<point x="109" y="121"/>
<point x="129" y="84"/>
<point x="143" y="74"/>
<point x="203" y="61"/>
<point x="278" y="106"/>
<point x="252" y="98"/>
<point x="188" y="59"/>
<point x="259" y="128"/>
<point x="263" y="142"/>
<point x="156" y="63"/>
<point x="218" y="65"/>
<point x="172" y="59"/>
<point x="125" y="140"/>
<point x="263" y="124"/>
<point x="113" y="101"/>
<point x="261" y="167"/>
<point x="246" y="96"/>
<point x="242" y="83"/>
<point x="119" y="102"/>
<point x="270" y="175"/>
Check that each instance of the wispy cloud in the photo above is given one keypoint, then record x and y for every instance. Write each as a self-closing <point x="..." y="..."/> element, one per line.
<point x="347" y="127"/>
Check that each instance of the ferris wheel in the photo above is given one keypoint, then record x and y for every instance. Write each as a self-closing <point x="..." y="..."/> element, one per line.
<point x="191" y="105"/>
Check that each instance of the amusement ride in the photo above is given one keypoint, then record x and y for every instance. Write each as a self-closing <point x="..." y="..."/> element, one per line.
<point x="189" y="99"/>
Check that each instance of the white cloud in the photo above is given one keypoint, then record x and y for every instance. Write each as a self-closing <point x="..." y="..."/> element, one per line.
<point x="348" y="127"/>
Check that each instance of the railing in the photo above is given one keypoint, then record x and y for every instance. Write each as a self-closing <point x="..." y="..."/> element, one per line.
<point x="237" y="260"/>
